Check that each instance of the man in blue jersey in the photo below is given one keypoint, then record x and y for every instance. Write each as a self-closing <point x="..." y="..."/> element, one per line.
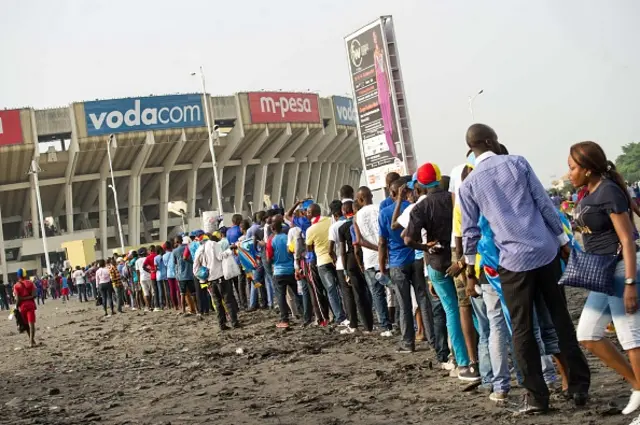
<point x="283" y="268"/>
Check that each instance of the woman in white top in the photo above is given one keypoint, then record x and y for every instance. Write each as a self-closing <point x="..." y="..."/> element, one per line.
<point x="103" y="280"/>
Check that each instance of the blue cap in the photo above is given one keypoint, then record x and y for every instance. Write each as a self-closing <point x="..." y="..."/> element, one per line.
<point x="412" y="183"/>
<point x="306" y="204"/>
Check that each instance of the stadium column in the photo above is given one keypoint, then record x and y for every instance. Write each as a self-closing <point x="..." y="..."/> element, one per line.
<point x="241" y="174"/>
<point x="135" y="207"/>
<point x="102" y="217"/>
<point x="292" y="173"/>
<point x="338" y="156"/>
<point x="192" y="194"/>
<point x="266" y="157"/>
<point x="164" y="206"/>
<point x="327" y="159"/>
<point x="304" y="173"/>
<point x="68" y="206"/>
<point x="340" y="180"/>
<point x="283" y="158"/>
<point x="35" y="224"/>
<point x="3" y="254"/>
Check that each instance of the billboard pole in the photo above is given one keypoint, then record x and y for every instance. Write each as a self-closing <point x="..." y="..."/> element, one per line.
<point x="210" y="132"/>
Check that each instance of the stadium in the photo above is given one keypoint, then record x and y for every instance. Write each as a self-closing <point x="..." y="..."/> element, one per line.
<point x="270" y="147"/>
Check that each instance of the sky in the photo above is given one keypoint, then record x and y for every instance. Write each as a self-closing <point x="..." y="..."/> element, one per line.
<point x="553" y="72"/>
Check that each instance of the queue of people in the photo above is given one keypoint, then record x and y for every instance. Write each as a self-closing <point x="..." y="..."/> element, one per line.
<point x="468" y="266"/>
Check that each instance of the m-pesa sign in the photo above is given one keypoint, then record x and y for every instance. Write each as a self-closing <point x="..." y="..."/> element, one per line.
<point x="266" y="107"/>
<point x="10" y="128"/>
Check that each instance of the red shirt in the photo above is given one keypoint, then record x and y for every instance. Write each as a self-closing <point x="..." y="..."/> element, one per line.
<point x="149" y="265"/>
<point x="269" y="248"/>
<point x="25" y="288"/>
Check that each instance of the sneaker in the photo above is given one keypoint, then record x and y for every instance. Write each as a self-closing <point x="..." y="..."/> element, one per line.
<point x="403" y="349"/>
<point x="146" y="310"/>
<point x="344" y="323"/>
<point x="449" y="365"/>
<point x="156" y="309"/>
<point x="323" y="323"/>
<point x="499" y="397"/>
<point x="348" y="330"/>
<point x="453" y="373"/>
<point x="387" y="334"/>
<point x="282" y="325"/>
<point x="469" y="373"/>
<point x="108" y="315"/>
<point x="636" y="421"/>
<point x="133" y="309"/>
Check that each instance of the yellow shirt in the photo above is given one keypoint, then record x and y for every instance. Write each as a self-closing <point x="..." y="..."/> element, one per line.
<point x="457" y="231"/>
<point x="318" y="236"/>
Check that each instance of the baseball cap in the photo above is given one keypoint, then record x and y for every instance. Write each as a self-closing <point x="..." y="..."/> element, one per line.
<point x="411" y="184"/>
<point x="186" y="240"/>
<point x="428" y="175"/>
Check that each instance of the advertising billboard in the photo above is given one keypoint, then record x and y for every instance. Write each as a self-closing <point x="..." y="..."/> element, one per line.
<point x="10" y="128"/>
<point x="274" y="107"/>
<point x="143" y="113"/>
<point x="376" y="108"/>
<point x="344" y="110"/>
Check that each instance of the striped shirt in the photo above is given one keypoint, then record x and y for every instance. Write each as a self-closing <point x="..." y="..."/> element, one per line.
<point x="527" y="229"/>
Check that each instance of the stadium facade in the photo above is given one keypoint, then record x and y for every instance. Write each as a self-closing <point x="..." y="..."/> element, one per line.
<point x="269" y="146"/>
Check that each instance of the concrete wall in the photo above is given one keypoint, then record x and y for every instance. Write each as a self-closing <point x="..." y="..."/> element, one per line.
<point x="224" y="108"/>
<point x="53" y="121"/>
<point x="326" y="108"/>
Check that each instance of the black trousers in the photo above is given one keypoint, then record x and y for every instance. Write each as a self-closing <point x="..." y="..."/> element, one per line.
<point x="222" y="290"/>
<point x="354" y="296"/>
<point x="520" y="290"/>
<point x="283" y="282"/>
<point x="240" y="284"/>
<point x="320" y="293"/>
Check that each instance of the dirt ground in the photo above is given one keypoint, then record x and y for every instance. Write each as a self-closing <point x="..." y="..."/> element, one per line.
<point x="157" y="368"/>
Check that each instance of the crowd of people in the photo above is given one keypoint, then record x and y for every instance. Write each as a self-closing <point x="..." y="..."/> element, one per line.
<point x="468" y="266"/>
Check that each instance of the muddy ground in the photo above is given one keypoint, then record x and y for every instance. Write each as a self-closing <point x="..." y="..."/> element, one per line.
<point x="157" y="368"/>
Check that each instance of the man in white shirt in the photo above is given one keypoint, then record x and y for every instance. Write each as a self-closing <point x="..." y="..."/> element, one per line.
<point x="79" y="279"/>
<point x="209" y="255"/>
<point x="367" y="232"/>
<point x="144" y="277"/>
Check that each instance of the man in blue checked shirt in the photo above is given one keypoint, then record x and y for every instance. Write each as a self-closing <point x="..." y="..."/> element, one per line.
<point x="529" y="235"/>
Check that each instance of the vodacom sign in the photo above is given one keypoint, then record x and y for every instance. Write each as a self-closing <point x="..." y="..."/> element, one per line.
<point x="272" y="107"/>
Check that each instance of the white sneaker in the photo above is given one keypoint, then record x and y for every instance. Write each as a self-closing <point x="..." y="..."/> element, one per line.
<point x="345" y="323"/>
<point x="636" y="421"/>
<point x="133" y="309"/>
<point x="634" y="403"/>
<point x="108" y="315"/>
<point x="146" y="309"/>
<point x="449" y="365"/>
<point x="387" y="334"/>
<point x="156" y="309"/>
<point x="347" y="331"/>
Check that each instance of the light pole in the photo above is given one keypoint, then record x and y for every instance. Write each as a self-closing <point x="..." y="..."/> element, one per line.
<point x="34" y="170"/>
<point x="112" y="186"/>
<point x="210" y="132"/>
<point x="471" y="99"/>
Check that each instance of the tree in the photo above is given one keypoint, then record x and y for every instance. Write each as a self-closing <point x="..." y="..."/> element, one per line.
<point x="628" y="164"/>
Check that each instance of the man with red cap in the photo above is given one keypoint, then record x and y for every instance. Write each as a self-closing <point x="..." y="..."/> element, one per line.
<point x="25" y="292"/>
<point x="435" y="215"/>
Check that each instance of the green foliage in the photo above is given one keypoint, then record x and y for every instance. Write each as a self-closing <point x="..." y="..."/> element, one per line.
<point x="628" y="164"/>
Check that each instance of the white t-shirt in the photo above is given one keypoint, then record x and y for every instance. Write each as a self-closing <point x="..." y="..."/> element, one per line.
<point x="404" y="218"/>
<point x="333" y="236"/>
<point x="78" y="277"/>
<point x="454" y="187"/>
<point x="367" y="220"/>
<point x="144" y="275"/>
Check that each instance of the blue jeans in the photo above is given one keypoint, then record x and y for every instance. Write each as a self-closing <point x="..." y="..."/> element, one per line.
<point x="402" y="278"/>
<point x="484" y="330"/>
<point x="499" y="340"/>
<point x="446" y="291"/>
<point x="159" y="293"/>
<point x="378" y="298"/>
<point x="329" y="280"/>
